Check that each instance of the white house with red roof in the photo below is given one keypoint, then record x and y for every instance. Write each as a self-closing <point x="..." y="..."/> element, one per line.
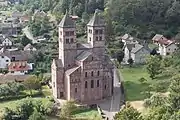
<point x="166" y="47"/>
<point x="19" y="68"/>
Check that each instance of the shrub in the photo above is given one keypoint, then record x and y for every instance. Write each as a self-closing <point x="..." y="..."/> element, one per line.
<point x="142" y="80"/>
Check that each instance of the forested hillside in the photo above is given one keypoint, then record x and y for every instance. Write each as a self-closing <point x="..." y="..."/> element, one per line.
<point x="141" y="18"/>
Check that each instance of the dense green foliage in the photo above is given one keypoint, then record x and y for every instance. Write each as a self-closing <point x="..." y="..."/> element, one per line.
<point x="40" y="25"/>
<point x="29" y="109"/>
<point x="128" y="113"/>
<point x="154" y="66"/>
<point x="11" y="89"/>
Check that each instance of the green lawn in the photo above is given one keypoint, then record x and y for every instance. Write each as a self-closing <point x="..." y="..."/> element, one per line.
<point x="46" y="91"/>
<point x="87" y="113"/>
<point x="133" y="87"/>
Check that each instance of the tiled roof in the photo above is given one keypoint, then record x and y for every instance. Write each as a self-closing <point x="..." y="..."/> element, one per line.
<point x="85" y="45"/>
<point x="157" y="37"/>
<point x="2" y="38"/>
<point x="67" y="22"/>
<point x="96" y="20"/>
<point x="17" y="14"/>
<point x="70" y="71"/>
<point x="83" y="55"/>
<point x="136" y="48"/>
<point x="19" y="66"/>
<point x="127" y="36"/>
<point x="28" y="46"/>
<point x="18" y="54"/>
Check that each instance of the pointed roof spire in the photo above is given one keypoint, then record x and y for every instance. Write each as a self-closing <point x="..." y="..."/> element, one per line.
<point x="67" y="21"/>
<point x="96" y="20"/>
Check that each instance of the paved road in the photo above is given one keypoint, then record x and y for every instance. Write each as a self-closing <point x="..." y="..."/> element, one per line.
<point x="112" y="105"/>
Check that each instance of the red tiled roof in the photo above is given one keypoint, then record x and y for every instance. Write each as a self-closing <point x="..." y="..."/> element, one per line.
<point x="18" y="66"/>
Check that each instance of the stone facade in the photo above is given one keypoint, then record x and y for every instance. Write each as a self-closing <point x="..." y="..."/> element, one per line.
<point x="83" y="72"/>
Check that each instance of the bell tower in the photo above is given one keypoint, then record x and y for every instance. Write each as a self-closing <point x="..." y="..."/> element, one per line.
<point x="67" y="41"/>
<point x="96" y="33"/>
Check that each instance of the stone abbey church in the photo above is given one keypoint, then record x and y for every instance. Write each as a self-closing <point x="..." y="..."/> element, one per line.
<point x="83" y="72"/>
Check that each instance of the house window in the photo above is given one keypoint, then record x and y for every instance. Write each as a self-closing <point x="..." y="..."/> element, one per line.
<point x="7" y="60"/>
<point x="12" y="71"/>
<point x="105" y="87"/>
<point x="67" y="41"/>
<point x="90" y="31"/>
<point x="97" y="83"/>
<point x="13" y="58"/>
<point x="169" y="49"/>
<point x="53" y="84"/>
<point x="100" y="31"/>
<point x="98" y="73"/>
<point x="66" y="33"/>
<point x="89" y="38"/>
<point x="75" y="90"/>
<point x="86" y="85"/>
<point x="96" y="38"/>
<point x="61" y="94"/>
<point x="85" y="74"/>
<point x="72" y="40"/>
<point x="92" y="83"/>
<point x="60" y="39"/>
<point x="72" y="33"/>
<point x="96" y="32"/>
<point x="100" y="38"/>
<point x="2" y="56"/>
<point x="60" y="32"/>
<point x="22" y="71"/>
<point x="92" y="73"/>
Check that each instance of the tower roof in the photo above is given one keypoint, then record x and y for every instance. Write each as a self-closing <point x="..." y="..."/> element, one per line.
<point x="67" y="22"/>
<point x="96" y="20"/>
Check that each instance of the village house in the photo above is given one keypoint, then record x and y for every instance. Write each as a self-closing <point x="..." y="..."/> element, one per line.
<point x="4" y="61"/>
<point x="17" y="14"/>
<point x="166" y="47"/>
<point x="128" y="39"/>
<point x="39" y="14"/>
<point x="5" y="42"/>
<point x="10" y="29"/>
<point x="83" y="72"/>
<point x="19" y="68"/>
<point x="3" y="3"/>
<point x="29" y="47"/>
<point x="136" y="52"/>
<point x="8" y="56"/>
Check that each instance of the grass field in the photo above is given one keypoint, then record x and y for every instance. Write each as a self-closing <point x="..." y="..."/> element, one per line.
<point x="87" y="113"/>
<point x="133" y="87"/>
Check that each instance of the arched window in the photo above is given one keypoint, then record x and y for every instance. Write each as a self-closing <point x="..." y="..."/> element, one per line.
<point x="75" y="90"/>
<point x="85" y="74"/>
<point x="92" y="73"/>
<point x="97" y="83"/>
<point x="86" y="84"/>
<point x="92" y="83"/>
<point x="98" y="73"/>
